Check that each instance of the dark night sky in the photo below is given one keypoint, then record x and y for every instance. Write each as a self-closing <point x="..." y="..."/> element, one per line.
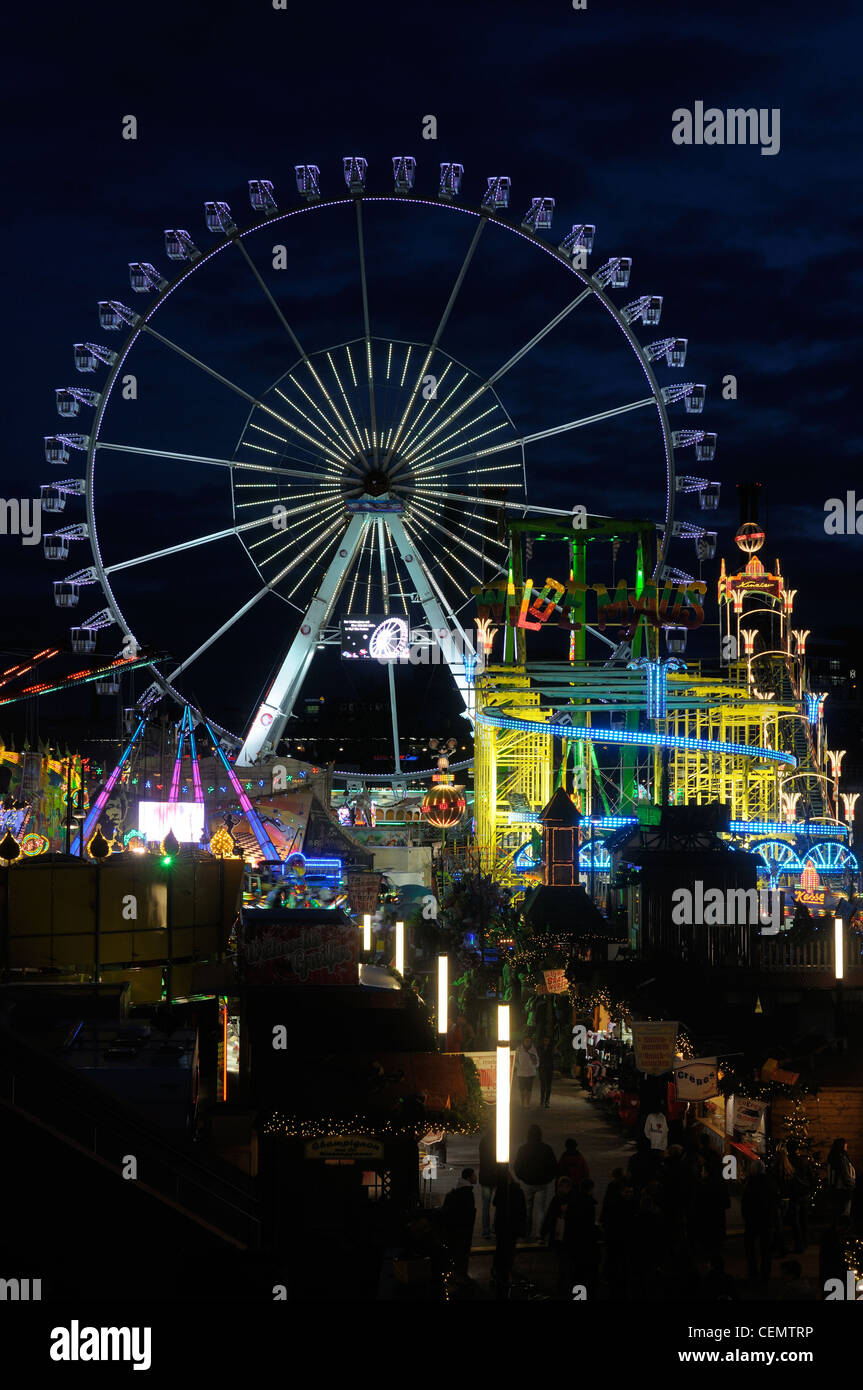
<point x="757" y="258"/>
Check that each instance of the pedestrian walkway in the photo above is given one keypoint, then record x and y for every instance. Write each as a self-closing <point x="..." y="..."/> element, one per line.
<point x="605" y="1147"/>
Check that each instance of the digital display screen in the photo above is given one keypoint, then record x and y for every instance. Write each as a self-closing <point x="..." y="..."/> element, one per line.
<point x="185" y="818"/>
<point x="375" y="637"/>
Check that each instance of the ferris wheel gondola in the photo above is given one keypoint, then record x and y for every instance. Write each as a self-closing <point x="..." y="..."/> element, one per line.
<point x="374" y="464"/>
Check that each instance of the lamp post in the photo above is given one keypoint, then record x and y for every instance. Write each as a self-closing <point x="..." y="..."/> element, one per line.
<point x="502" y="1086"/>
<point x="839" y="974"/>
<point x="442" y="995"/>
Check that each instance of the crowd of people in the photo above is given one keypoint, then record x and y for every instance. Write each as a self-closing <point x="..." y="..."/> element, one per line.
<point x="660" y="1229"/>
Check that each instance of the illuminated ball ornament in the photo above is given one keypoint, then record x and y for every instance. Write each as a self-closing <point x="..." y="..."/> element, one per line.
<point x="750" y="537"/>
<point x="443" y="804"/>
<point x="222" y="844"/>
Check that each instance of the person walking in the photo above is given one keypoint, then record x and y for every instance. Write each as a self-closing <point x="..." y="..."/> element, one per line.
<point x="459" y="1215"/>
<point x="546" y="1071"/>
<point x="572" y="1164"/>
<point x="487" y="1178"/>
<point x="510" y="1222"/>
<point x="526" y="1067"/>
<point x="656" y="1130"/>
<point x="536" y="1169"/>
<point x="558" y="1231"/>
<point x="841" y="1177"/>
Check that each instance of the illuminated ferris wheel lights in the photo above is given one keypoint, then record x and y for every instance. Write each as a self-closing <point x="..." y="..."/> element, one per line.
<point x="179" y="246"/>
<point x="496" y="196"/>
<point x="615" y="273"/>
<point x="539" y="215"/>
<point x="261" y="196"/>
<point x="308" y="178"/>
<point x="581" y="238"/>
<point x="71" y="398"/>
<point x="144" y="278"/>
<point x="404" y="173"/>
<point x="56" y="451"/>
<point x="87" y="356"/>
<point x="450" y="181"/>
<point x="648" y="308"/>
<point x="218" y="218"/>
<point x="355" y="169"/>
<point x="112" y="316"/>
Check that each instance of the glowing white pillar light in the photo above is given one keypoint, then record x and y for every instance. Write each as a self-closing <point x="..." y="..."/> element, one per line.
<point x="502" y="1082"/>
<point x="400" y="947"/>
<point x="367" y="932"/>
<point x="839" y="948"/>
<point x="442" y="993"/>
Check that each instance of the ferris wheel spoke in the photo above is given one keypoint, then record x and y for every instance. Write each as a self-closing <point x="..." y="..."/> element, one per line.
<point x="303" y="434"/>
<point x="432" y="546"/>
<point x="367" y="330"/>
<point x="420" y="427"/>
<point x="548" y="434"/>
<point x="439" y="452"/>
<point x="537" y="338"/>
<point x="200" y="458"/>
<point x="211" y="371"/>
<point x="496" y="503"/>
<point x="189" y="545"/>
<point x="219" y="633"/>
<point x="366" y="535"/>
<point x="319" y="525"/>
<point x="284" y="322"/>
<point x="431" y="520"/>
<point x="450" y="305"/>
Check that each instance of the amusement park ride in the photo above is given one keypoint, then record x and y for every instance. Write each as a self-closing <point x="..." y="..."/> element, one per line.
<point x="383" y="465"/>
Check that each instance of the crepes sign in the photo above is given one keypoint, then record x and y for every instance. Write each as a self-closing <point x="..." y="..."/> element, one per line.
<point x="697" y="1079"/>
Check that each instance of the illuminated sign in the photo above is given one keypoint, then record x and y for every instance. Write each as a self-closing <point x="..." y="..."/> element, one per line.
<point x="375" y="638"/>
<point x="185" y="818"/>
<point x="531" y="608"/>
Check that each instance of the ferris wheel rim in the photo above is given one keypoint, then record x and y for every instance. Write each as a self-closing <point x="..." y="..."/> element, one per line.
<point x="479" y="213"/>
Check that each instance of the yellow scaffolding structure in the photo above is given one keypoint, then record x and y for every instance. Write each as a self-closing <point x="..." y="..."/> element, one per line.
<point x="751" y="788"/>
<point x="508" y="762"/>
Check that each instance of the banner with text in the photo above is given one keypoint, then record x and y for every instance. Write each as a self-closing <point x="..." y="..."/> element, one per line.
<point x="655" y="1047"/>
<point x="697" y="1079"/>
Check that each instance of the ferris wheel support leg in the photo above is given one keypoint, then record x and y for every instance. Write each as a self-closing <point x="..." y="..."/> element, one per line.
<point x="441" y="623"/>
<point x="274" y="712"/>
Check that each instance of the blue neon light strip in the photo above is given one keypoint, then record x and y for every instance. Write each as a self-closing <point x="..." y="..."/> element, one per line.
<point x="784" y="827"/>
<point x="640" y="738"/>
<point x="323" y="866"/>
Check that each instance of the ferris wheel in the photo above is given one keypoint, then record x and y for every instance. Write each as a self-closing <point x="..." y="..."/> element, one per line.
<point x="372" y="472"/>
